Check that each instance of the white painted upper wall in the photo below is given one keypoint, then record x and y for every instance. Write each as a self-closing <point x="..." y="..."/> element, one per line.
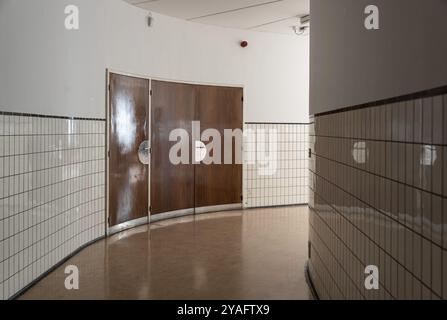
<point x="48" y="70"/>
<point x="351" y="65"/>
<point x="255" y="15"/>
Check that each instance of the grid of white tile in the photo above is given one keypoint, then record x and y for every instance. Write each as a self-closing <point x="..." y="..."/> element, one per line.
<point x="287" y="183"/>
<point x="378" y="197"/>
<point x="52" y="193"/>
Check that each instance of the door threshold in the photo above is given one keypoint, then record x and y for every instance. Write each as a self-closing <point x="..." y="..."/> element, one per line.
<point x="171" y="215"/>
<point x="127" y="225"/>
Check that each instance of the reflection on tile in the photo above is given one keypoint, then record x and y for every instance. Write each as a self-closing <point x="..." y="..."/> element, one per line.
<point x="390" y="191"/>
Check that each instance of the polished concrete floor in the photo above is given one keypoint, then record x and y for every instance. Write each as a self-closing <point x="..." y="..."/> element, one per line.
<point x="252" y="254"/>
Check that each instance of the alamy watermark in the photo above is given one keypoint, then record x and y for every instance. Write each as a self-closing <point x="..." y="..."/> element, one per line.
<point x="372" y="277"/>
<point x="210" y="148"/>
<point x="71" y="17"/>
<point x="372" y="21"/>
<point x="72" y="279"/>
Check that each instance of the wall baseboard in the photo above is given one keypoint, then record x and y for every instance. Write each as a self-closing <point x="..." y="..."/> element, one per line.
<point x="310" y="282"/>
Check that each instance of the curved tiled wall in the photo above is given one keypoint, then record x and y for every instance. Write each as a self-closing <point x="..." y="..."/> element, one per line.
<point x="52" y="185"/>
<point x="52" y="188"/>
<point x="283" y="180"/>
<point x="378" y="178"/>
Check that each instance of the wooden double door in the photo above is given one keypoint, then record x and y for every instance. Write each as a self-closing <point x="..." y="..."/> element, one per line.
<point x="144" y="115"/>
<point x="194" y="185"/>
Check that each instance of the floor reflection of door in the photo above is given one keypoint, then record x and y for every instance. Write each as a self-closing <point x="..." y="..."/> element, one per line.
<point x="129" y="154"/>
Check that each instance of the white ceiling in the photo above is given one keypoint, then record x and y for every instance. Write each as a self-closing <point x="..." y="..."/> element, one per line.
<point x="278" y="16"/>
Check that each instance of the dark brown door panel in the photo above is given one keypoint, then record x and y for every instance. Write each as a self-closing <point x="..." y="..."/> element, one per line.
<point x="219" y="108"/>
<point x="128" y="176"/>
<point x="172" y="107"/>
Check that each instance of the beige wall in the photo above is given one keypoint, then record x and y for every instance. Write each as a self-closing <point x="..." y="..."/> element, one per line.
<point x="351" y="66"/>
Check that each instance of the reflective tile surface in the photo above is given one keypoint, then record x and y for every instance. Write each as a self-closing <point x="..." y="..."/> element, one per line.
<point x="52" y="193"/>
<point x="283" y="181"/>
<point x="253" y="254"/>
<point x="378" y="193"/>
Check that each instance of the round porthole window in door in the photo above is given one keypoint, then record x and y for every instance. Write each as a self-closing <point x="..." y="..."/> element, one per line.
<point x="143" y="152"/>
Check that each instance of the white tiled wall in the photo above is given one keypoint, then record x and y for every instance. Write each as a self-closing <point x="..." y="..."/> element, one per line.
<point x="288" y="183"/>
<point x="52" y="185"/>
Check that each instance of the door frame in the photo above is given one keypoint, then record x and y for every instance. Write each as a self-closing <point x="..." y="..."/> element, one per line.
<point x="167" y="215"/>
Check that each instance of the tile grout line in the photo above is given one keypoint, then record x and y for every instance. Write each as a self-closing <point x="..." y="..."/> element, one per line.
<point x="367" y="236"/>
